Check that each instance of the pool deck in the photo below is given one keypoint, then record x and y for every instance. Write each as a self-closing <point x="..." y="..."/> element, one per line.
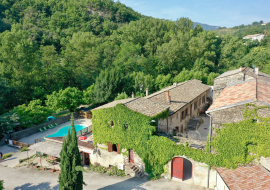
<point x="31" y="139"/>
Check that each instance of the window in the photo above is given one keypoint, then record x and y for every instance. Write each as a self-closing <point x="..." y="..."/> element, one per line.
<point x="190" y="110"/>
<point x="183" y="115"/>
<point x="186" y="112"/>
<point x="199" y="102"/>
<point x="203" y="99"/>
<point x="114" y="148"/>
<point x="171" y="120"/>
<point x="195" y="105"/>
<point x="112" y="124"/>
<point x="177" y="116"/>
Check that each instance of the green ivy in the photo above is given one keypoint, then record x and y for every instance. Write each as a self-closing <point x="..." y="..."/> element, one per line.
<point x="233" y="144"/>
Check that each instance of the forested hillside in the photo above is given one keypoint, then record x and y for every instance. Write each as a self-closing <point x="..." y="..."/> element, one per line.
<point x="46" y="46"/>
<point x="244" y="30"/>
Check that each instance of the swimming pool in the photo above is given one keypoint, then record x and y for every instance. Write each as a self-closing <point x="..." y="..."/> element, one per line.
<point x="64" y="131"/>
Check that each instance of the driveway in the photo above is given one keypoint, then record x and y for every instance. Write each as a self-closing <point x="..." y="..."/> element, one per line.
<point x="32" y="179"/>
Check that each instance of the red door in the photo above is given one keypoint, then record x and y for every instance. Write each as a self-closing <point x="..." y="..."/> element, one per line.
<point x="131" y="156"/>
<point x="177" y="167"/>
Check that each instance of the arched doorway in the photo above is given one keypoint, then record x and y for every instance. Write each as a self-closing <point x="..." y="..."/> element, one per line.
<point x="181" y="168"/>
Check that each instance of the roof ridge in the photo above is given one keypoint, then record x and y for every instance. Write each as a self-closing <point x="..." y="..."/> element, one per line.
<point x="173" y="87"/>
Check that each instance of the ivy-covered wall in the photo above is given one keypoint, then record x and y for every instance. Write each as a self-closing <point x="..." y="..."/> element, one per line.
<point x="236" y="144"/>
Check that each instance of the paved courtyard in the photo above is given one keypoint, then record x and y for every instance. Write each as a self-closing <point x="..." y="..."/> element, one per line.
<point x="32" y="179"/>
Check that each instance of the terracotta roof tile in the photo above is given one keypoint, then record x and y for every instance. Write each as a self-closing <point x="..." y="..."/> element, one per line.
<point x="235" y="94"/>
<point x="242" y="178"/>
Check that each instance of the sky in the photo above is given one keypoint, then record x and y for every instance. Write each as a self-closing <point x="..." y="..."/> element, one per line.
<point x="222" y="13"/>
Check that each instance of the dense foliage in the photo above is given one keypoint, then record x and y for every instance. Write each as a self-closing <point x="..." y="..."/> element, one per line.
<point x="47" y="46"/>
<point x="32" y="114"/>
<point x="8" y="122"/>
<point x="69" y="98"/>
<point x="244" y="30"/>
<point x="1" y="184"/>
<point x="71" y="176"/>
<point x="236" y="144"/>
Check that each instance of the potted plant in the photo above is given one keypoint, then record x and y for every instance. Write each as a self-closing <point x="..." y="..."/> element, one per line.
<point x="35" y="166"/>
<point x="58" y="171"/>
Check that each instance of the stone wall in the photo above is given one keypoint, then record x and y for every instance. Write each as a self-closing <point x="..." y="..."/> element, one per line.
<point x="105" y="158"/>
<point x="30" y="131"/>
<point x="175" y="120"/>
<point x="199" y="174"/>
<point x="234" y="115"/>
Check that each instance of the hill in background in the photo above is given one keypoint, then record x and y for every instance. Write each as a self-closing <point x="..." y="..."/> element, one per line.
<point x="206" y="26"/>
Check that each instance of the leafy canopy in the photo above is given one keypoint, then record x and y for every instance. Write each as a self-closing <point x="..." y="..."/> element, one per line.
<point x="70" y="99"/>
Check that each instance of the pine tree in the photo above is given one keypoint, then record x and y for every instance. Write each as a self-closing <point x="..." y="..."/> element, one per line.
<point x="71" y="177"/>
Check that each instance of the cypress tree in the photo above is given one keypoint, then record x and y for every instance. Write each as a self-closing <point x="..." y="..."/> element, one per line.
<point x="71" y="177"/>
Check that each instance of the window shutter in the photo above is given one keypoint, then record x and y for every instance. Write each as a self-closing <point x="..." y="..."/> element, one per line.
<point x="109" y="147"/>
<point x="118" y="149"/>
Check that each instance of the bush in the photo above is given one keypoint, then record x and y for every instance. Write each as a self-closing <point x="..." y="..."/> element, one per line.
<point x="114" y="171"/>
<point x="23" y="149"/>
<point x="1" y="185"/>
<point x="97" y="168"/>
<point x="7" y="155"/>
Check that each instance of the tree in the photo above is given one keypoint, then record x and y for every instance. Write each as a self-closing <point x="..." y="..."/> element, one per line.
<point x="88" y="95"/>
<point x="108" y="84"/>
<point x="33" y="113"/>
<point x="121" y="96"/>
<point x="70" y="99"/>
<point x="1" y="185"/>
<point x="71" y="177"/>
<point x="8" y="122"/>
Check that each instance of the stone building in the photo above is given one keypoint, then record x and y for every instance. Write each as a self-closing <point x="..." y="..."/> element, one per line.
<point x="234" y="89"/>
<point x="184" y="101"/>
<point x="181" y="102"/>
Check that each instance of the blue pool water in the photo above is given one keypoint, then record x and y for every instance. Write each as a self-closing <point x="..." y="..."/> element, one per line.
<point x="64" y="131"/>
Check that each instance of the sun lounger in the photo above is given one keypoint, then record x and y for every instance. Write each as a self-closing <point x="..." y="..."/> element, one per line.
<point x="40" y="130"/>
<point x="56" y="124"/>
<point x="50" y="126"/>
<point x="45" y="128"/>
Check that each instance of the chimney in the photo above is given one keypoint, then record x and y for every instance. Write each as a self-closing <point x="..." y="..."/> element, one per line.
<point x="168" y="97"/>
<point x="146" y="92"/>
<point x="256" y="70"/>
<point x="175" y="83"/>
<point x="132" y="94"/>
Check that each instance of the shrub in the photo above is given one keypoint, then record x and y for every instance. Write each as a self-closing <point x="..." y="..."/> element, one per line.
<point x="7" y="155"/>
<point x="1" y="185"/>
<point x="97" y="168"/>
<point x="114" y="171"/>
<point x="23" y="149"/>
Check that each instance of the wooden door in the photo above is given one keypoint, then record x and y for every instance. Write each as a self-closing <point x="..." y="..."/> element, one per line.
<point x="86" y="158"/>
<point x="177" y="167"/>
<point x="131" y="156"/>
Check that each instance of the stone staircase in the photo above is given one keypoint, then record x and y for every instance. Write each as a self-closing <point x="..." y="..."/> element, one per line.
<point x="137" y="170"/>
<point x="133" y="170"/>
